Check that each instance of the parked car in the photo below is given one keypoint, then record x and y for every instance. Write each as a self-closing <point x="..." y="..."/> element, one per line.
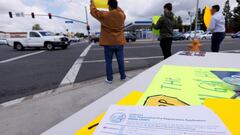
<point x="130" y="37"/>
<point x="39" y="39"/>
<point x="95" y="38"/>
<point x="74" y="40"/>
<point x="206" y="35"/>
<point x="187" y="35"/>
<point x="178" y="36"/>
<point x="191" y="35"/>
<point x="3" y="42"/>
<point x="236" y="35"/>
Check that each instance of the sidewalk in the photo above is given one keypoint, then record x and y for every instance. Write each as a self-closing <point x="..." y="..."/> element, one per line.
<point x="38" y="114"/>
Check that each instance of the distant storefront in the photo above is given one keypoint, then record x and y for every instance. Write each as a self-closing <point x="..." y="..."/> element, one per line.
<point x="142" y="29"/>
<point x="17" y="34"/>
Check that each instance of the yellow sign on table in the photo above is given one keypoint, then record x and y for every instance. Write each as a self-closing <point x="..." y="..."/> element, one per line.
<point x="229" y="112"/>
<point x="101" y="3"/>
<point x="178" y="85"/>
<point x="131" y="99"/>
<point x="207" y="16"/>
<point x="155" y="20"/>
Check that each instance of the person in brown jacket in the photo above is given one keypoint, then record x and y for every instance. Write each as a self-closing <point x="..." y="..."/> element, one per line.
<point x="112" y="36"/>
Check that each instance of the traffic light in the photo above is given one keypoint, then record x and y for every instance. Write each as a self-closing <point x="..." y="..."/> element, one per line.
<point x="33" y="15"/>
<point x="50" y="15"/>
<point x="88" y="27"/>
<point x="10" y="14"/>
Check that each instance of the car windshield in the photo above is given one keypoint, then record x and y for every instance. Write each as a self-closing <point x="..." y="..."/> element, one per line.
<point x="46" y="33"/>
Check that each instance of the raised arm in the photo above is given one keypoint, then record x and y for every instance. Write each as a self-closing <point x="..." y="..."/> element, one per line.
<point x="99" y="15"/>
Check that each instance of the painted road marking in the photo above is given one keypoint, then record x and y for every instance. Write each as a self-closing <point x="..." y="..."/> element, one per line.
<point x="155" y="46"/>
<point x="20" y="57"/>
<point x="126" y="59"/>
<point x="73" y="72"/>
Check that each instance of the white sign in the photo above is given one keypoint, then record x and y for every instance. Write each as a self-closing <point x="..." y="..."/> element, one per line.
<point x="199" y="120"/>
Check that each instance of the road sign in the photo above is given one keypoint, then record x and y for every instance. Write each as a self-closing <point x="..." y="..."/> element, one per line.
<point x="68" y="21"/>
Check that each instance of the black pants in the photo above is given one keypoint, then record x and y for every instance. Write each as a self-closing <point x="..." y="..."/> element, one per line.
<point x="166" y="45"/>
<point x="217" y="39"/>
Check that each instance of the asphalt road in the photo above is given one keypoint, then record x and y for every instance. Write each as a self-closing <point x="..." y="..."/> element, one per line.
<point x="24" y="73"/>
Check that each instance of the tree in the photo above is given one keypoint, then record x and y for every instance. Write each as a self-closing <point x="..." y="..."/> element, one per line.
<point x="179" y="23"/>
<point x="36" y="27"/>
<point x="236" y="17"/>
<point x="228" y="15"/>
<point x="201" y="25"/>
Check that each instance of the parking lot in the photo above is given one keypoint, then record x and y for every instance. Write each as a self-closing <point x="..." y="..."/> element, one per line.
<point x="25" y="73"/>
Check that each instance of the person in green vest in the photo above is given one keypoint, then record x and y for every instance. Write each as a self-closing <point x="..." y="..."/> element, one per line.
<point x="166" y="25"/>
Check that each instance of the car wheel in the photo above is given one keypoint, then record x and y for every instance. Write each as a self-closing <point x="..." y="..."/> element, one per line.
<point x="64" y="47"/>
<point x="50" y="46"/>
<point x="127" y="40"/>
<point x="19" y="47"/>
<point x="188" y="38"/>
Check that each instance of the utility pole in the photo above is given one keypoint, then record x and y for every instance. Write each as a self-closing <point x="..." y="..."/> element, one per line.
<point x="88" y="27"/>
<point x="196" y="23"/>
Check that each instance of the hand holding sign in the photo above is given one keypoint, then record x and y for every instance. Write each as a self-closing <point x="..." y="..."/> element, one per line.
<point x="207" y="16"/>
<point x="155" y="20"/>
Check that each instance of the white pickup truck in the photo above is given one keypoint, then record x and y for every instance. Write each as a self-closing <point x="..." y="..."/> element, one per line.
<point x="38" y="39"/>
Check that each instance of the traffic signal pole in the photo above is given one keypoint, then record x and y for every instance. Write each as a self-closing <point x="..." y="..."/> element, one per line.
<point x="50" y="17"/>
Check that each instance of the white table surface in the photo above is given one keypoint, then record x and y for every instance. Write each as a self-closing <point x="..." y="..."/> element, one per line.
<point x="140" y="83"/>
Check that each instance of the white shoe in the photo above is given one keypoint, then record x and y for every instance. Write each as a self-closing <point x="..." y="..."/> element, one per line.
<point x="127" y="78"/>
<point x="108" y="82"/>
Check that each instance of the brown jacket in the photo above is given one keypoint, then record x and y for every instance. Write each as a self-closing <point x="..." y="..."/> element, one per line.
<point x="112" y="26"/>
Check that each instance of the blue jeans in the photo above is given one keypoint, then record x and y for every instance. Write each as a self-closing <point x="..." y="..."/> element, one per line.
<point x="217" y="39"/>
<point x="118" y="51"/>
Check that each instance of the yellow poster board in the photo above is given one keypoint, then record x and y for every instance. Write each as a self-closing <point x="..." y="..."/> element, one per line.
<point x="229" y="112"/>
<point x="207" y="16"/>
<point x="131" y="99"/>
<point x="178" y="85"/>
<point x="101" y="3"/>
<point x="155" y="20"/>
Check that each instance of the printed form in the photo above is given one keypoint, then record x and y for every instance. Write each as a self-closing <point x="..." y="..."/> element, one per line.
<point x="139" y="120"/>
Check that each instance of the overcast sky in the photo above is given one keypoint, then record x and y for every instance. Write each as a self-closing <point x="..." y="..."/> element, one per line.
<point x="134" y="9"/>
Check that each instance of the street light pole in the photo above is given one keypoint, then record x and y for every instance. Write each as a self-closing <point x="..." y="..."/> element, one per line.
<point x="191" y="14"/>
<point x="196" y="20"/>
<point x="88" y="30"/>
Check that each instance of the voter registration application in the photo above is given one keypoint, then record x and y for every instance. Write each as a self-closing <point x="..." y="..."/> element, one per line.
<point x="139" y="120"/>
